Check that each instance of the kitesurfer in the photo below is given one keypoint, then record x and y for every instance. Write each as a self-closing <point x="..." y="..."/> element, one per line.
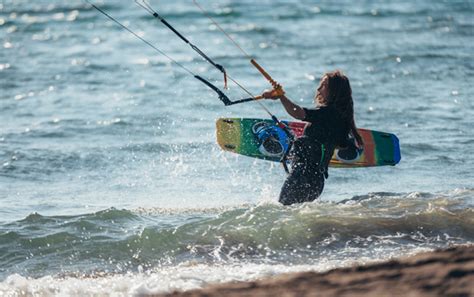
<point x="331" y="124"/>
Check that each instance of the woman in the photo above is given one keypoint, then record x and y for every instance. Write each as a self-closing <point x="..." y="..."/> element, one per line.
<point x="330" y="125"/>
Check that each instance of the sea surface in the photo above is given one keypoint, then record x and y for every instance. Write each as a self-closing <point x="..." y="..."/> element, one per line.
<point x="111" y="181"/>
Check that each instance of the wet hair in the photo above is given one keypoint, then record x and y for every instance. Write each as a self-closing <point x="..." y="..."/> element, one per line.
<point x="340" y="96"/>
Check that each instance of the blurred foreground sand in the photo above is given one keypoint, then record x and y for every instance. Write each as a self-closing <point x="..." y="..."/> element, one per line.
<point x="448" y="272"/>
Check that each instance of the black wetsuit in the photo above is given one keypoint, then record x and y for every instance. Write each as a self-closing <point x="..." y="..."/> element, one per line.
<point x="311" y="153"/>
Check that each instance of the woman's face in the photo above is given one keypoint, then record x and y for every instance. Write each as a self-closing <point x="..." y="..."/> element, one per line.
<point x="322" y="92"/>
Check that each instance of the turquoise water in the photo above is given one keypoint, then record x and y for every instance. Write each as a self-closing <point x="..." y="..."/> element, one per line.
<point x="111" y="180"/>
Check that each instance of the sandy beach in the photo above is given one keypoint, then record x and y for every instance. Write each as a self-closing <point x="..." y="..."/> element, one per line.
<point x="448" y="272"/>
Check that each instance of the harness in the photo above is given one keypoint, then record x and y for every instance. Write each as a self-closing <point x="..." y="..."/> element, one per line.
<point x="323" y="160"/>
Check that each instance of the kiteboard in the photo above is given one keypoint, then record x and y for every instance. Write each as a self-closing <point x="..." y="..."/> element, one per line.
<point x="263" y="139"/>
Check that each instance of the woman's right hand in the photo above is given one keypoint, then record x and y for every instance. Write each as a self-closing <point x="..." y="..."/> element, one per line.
<point x="274" y="94"/>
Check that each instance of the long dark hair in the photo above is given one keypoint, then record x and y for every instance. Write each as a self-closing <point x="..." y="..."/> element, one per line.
<point x="340" y="96"/>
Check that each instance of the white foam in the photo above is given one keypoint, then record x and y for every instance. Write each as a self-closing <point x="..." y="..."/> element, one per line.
<point x="183" y="277"/>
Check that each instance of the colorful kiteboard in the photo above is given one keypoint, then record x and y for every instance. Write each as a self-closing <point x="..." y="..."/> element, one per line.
<point x="262" y="138"/>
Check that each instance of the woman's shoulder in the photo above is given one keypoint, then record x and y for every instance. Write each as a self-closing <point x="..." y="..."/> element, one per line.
<point x="317" y="114"/>
<point x="328" y="108"/>
<point x="319" y="110"/>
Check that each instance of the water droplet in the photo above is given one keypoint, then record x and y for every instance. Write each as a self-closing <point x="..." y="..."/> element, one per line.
<point x="143" y="61"/>
<point x="11" y="29"/>
<point x="58" y="16"/>
<point x="315" y="9"/>
<point x="96" y="40"/>
<point x="72" y="16"/>
<point x="20" y="96"/>
<point x="4" y="66"/>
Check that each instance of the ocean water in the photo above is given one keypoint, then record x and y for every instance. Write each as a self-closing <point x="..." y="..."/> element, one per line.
<point x="111" y="181"/>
